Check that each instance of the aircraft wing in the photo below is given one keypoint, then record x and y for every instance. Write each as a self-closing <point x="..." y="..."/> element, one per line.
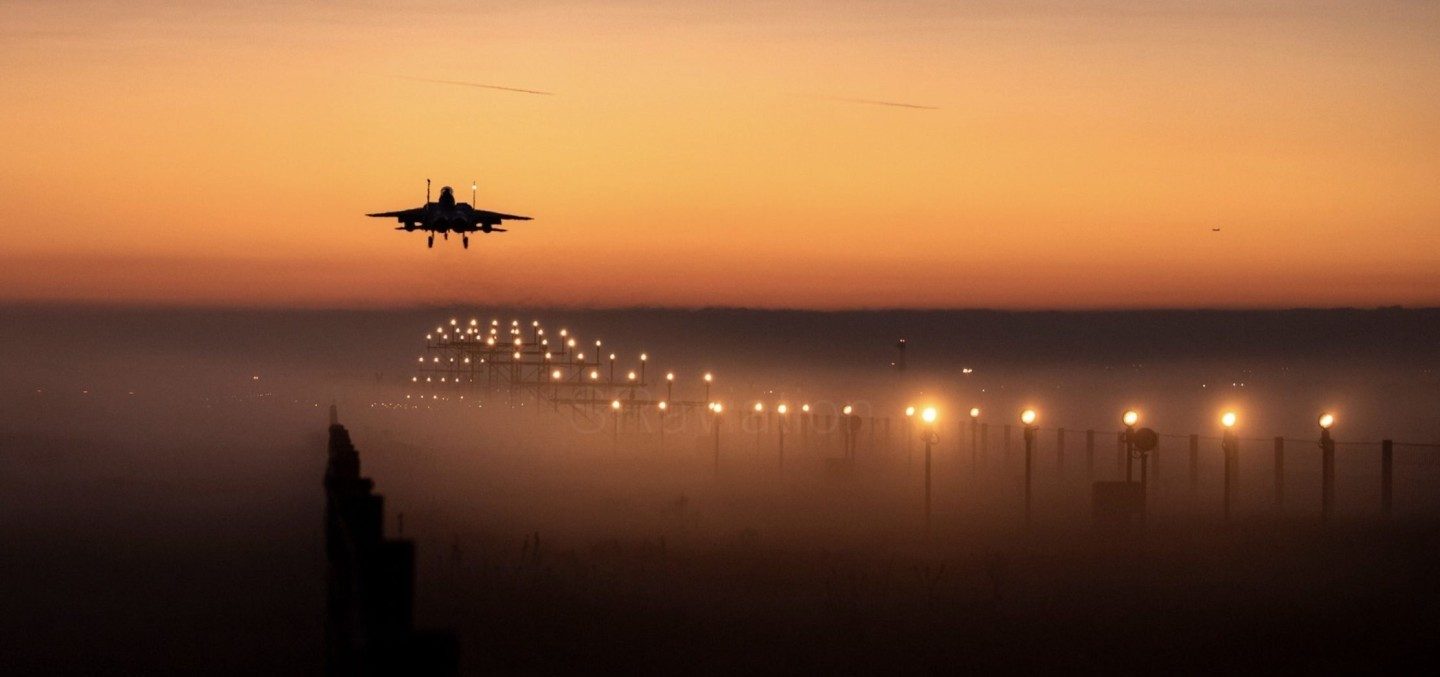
<point x="482" y="216"/>
<point x="411" y="215"/>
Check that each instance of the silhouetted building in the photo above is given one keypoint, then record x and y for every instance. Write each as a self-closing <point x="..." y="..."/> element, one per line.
<point x="369" y="625"/>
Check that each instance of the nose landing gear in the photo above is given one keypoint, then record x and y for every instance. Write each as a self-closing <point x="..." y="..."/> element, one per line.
<point x="465" y="240"/>
<point x="430" y="241"/>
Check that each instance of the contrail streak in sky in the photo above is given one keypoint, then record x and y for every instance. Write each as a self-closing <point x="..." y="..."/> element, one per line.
<point x="876" y="102"/>
<point x="476" y="84"/>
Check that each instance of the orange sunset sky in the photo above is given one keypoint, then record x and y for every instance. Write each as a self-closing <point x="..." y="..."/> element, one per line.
<point x="1073" y="155"/>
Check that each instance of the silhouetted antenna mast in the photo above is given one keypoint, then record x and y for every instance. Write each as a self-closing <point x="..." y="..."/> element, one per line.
<point x="427" y="191"/>
<point x="473" y="185"/>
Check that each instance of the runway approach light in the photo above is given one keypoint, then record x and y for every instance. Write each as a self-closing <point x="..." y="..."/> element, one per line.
<point x="1327" y="420"/>
<point x="805" y="408"/>
<point x="717" y="407"/>
<point x="909" y="411"/>
<point x="555" y="374"/>
<point x="759" y="407"/>
<point x="1130" y="418"/>
<point x="1228" y="419"/>
<point x="847" y="410"/>
<point x="782" y="409"/>
<point x="630" y="376"/>
<point x="1028" y="416"/>
<point x="594" y="374"/>
<point x="709" y="377"/>
<point x="974" y="412"/>
<point x="644" y="357"/>
<point x="615" y="404"/>
<point x="929" y="415"/>
<point x="663" y="405"/>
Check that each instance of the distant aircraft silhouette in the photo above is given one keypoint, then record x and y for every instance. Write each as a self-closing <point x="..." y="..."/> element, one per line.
<point x="1214" y="230"/>
<point x="447" y="216"/>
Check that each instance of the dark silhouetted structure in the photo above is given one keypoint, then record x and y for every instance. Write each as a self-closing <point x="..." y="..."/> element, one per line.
<point x="369" y="624"/>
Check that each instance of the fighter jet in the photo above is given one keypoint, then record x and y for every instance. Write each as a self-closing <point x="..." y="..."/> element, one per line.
<point x="447" y="216"/>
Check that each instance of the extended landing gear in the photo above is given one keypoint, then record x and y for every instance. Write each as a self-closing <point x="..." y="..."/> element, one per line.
<point x="465" y="240"/>
<point x="430" y="241"/>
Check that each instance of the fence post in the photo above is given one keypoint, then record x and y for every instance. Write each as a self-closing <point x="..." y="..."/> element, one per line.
<point x="1121" y="458"/>
<point x="1279" y="474"/>
<point x="1089" y="454"/>
<point x="984" y="440"/>
<point x="1387" y="474"/>
<point x="1007" y="440"/>
<point x="1194" y="463"/>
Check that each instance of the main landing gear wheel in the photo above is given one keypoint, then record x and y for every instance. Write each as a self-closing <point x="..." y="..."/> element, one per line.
<point x="430" y="241"/>
<point x="466" y="241"/>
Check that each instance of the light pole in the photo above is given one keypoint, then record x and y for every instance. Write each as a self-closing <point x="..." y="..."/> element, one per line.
<point x="708" y="378"/>
<point x="759" y="414"/>
<point x="643" y="359"/>
<point x="663" y="406"/>
<point x="849" y="432"/>
<point x="1327" y="468"/>
<point x="974" y="438"/>
<point x="1129" y="418"/>
<point x="1230" y="445"/>
<point x="716" y="409"/>
<point x="1028" y="418"/>
<point x="615" y="409"/>
<point x="669" y="385"/>
<point x="805" y="428"/>
<point x="909" y="430"/>
<point x="780" y="412"/>
<point x="930" y="438"/>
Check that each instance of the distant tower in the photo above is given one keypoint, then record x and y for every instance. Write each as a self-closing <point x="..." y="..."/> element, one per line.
<point x="900" y="360"/>
<point x="334" y="415"/>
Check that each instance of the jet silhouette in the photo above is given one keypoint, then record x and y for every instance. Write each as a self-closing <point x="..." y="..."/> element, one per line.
<point x="447" y="216"/>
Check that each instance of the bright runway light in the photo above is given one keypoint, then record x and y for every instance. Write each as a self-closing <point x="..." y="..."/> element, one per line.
<point x="644" y="357"/>
<point x="1327" y="420"/>
<point x="847" y="410"/>
<point x="709" y="377"/>
<point x="1028" y="416"/>
<point x="670" y="376"/>
<point x="782" y="409"/>
<point x="929" y="415"/>
<point x="555" y="374"/>
<point x="664" y="405"/>
<point x="1228" y="419"/>
<point x="615" y="404"/>
<point x="759" y="407"/>
<point x="805" y="408"/>
<point x="909" y="411"/>
<point x="630" y="376"/>
<point x="594" y="374"/>
<point x="1130" y="417"/>
<point x="717" y="407"/>
<point x="974" y="412"/>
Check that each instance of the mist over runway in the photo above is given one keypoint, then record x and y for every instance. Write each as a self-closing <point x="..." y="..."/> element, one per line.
<point x="163" y="467"/>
